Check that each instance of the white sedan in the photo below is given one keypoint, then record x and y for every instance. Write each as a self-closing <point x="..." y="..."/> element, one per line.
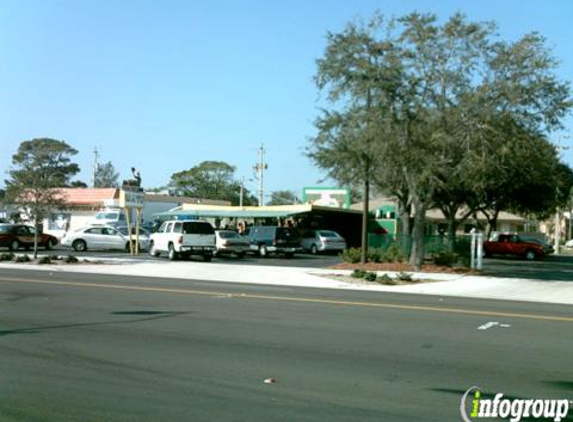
<point x="317" y="241"/>
<point x="230" y="242"/>
<point x="101" y="237"/>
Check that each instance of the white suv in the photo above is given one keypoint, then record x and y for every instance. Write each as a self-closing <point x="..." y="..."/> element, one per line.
<point x="182" y="238"/>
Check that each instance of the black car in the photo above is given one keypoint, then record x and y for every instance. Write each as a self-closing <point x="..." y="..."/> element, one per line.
<point x="265" y="240"/>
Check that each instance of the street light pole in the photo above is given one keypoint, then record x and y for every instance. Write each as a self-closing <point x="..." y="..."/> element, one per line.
<point x="259" y="168"/>
<point x="96" y="155"/>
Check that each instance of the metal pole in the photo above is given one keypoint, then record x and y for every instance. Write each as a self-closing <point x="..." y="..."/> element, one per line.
<point x="261" y="173"/>
<point x="242" y="191"/>
<point x="479" y="251"/>
<point x="473" y="249"/>
<point x="96" y="165"/>
<point x="260" y="167"/>
<point x="138" y="219"/>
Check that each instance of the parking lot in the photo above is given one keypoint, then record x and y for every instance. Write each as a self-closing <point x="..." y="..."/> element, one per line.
<point x="299" y="260"/>
<point x="559" y="267"/>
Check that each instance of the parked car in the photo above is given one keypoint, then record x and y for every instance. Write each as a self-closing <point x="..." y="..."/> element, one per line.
<point x="110" y="217"/>
<point x="547" y="247"/>
<point x="100" y="237"/>
<point x="265" y="240"/>
<point x="16" y="236"/>
<point x="512" y="244"/>
<point x="144" y="235"/>
<point x="317" y="241"/>
<point x="182" y="238"/>
<point x="231" y="242"/>
<point x="569" y="244"/>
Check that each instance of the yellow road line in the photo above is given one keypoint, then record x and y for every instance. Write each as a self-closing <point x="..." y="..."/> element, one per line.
<point x="295" y="299"/>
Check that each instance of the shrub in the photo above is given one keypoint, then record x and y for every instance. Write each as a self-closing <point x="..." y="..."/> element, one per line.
<point x="70" y="259"/>
<point x="45" y="260"/>
<point x="393" y="253"/>
<point x="358" y="274"/>
<point x="446" y="259"/>
<point x="375" y="255"/>
<point x="6" y="257"/>
<point x="386" y="279"/>
<point x="370" y="276"/>
<point x="406" y="277"/>
<point x="352" y="255"/>
<point x="22" y="258"/>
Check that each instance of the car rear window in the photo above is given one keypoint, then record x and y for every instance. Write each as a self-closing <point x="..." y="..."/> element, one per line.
<point x="327" y="233"/>
<point x="228" y="235"/>
<point x="198" y="228"/>
<point x="4" y="229"/>
<point x="284" y="233"/>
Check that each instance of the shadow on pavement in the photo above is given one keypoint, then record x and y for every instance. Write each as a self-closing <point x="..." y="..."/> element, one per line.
<point x="552" y="268"/>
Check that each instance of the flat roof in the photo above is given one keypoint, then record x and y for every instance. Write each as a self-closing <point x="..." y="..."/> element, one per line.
<point x="279" y="211"/>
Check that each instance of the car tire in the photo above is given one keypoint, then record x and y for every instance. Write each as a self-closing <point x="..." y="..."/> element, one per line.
<point x="14" y="245"/>
<point x="313" y="249"/>
<point x="152" y="251"/>
<point x="530" y="255"/>
<point x="289" y="255"/>
<point x="207" y="258"/>
<point x="50" y="245"/>
<point x="79" y="246"/>
<point x="172" y="254"/>
<point x="263" y="252"/>
<point x="241" y="255"/>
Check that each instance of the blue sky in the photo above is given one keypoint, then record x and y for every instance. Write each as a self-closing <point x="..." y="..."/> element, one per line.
<point x="164" y="85"/>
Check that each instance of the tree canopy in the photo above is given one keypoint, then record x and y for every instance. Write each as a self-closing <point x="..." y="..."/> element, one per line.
<point x="40" y="167"/>
<point x="106" y="176"/>
<point x="445" y="115"/>
<point x="210" y="180"/>
<point x="283" y="197"/>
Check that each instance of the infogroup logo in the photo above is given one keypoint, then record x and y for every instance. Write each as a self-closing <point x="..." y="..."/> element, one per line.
<point x="516" y="409"/>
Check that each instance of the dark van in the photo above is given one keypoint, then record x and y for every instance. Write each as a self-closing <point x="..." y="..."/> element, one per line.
<point x="272" y="239"/>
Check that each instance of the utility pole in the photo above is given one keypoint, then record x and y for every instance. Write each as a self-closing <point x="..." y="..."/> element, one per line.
<point x="242" y="192"/>
<point x="259" y="168"/>
<point x="96" y="165"/>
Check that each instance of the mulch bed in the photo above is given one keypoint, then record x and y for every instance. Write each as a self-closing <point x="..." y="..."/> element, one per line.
<point x="402" y="267"/>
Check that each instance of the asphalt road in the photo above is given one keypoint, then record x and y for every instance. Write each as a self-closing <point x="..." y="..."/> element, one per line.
<point x="105" y="348"/>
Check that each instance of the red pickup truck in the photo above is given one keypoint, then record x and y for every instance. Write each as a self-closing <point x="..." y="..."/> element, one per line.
<point x="512" y="244"/>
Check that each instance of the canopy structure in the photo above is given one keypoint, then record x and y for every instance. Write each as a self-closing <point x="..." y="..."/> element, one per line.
<point x="219" y="211"/>
<point x="182" y="214"/>
<point x="344" y="221"/>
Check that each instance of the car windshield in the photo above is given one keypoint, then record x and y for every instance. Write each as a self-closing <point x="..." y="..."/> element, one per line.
<point x="107" y="216"/>
<point x="228" y="235"/>
<point x="123" y="230"/>
<point x="327" y="233"/>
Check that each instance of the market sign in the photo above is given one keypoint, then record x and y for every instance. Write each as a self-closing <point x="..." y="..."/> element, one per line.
<point x="131" y="198"/>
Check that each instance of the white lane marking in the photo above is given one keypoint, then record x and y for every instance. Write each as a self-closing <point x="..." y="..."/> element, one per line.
<point x="488" y="325"/>
<point x="492" y="324"/>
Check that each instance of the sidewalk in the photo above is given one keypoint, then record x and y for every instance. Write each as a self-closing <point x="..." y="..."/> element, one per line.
<point x="442" y="284"/>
